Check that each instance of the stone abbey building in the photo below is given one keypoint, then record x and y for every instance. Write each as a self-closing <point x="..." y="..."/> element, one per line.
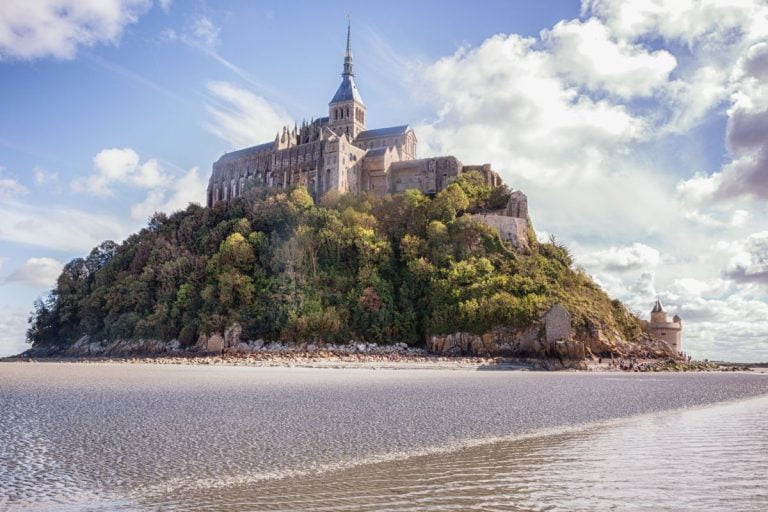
<point x="338" y="153"/>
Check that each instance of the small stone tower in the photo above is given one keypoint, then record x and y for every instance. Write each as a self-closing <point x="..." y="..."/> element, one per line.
<point x="346" y="111"/>
<point x="662" y="328"/>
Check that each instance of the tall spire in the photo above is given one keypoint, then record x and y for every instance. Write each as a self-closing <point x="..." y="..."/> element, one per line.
<point x="348" y="55"/>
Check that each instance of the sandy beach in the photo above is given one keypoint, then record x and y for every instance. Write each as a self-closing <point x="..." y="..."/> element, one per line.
<point x="119" y="435"/>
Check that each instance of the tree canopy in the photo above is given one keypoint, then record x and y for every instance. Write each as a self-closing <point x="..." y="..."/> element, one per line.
<point x="382" y="269"/>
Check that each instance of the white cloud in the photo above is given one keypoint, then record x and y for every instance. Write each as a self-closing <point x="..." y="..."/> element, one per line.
<point x="42" y="176"/>
<point x="42" y="28"/>
<point x="746" y="175"/>
<point x="10" y="187"/>
<point x="205" y="33"/>
<point x="593" y="121"/>
<point x="36" y="272"/>
<point x="711" y="23"/>
<point x="587" y="54"/>
<point x="63" y="229"/>
<point x="114" y="166"/>
<point x="720" y="322"/>
<point x="503" y="102"/>
<point x="621" y="259"/>
<point x="190" y="188"/>
<point x="242" y="118"/>
<point x="749" y="262"/>
<point x="13" y="327"/>
<point x="165" y="5"/>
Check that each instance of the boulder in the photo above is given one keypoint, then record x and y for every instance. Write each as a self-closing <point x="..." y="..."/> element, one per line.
<point x="215" y="343"/>
<point x="242" y="348"/>
<point x="232" y="335"/>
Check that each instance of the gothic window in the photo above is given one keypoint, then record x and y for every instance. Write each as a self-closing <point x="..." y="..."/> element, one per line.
<point x="347" y="112"/>
<point x="335" y="113"/>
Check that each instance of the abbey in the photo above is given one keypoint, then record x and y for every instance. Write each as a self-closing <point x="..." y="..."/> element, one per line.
<point x="338" y="153"/>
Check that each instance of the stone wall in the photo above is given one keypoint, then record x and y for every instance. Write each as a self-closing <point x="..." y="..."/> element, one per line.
<point x="550" y="338"/>
<point x="511" y="229"/>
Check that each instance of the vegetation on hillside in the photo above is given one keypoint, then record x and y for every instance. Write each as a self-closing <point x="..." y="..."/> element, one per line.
<point x="381" y="269"/>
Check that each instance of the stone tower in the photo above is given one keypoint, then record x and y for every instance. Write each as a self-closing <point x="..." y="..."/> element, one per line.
<point x="346" y="111"/>
<point x="662" y="328"/>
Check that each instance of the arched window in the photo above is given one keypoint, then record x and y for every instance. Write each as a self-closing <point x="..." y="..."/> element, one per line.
<point x="335" y="114"/>
<point x="347" y="112"/>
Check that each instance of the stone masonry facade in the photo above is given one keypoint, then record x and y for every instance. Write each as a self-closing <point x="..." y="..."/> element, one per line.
<point x="338" y="153"/>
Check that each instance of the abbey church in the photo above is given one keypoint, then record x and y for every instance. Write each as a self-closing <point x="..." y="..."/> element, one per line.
<point x="338" y="153"/>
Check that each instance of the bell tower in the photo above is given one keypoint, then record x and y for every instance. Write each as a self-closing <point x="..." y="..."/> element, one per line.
<point x="346" y="111"/>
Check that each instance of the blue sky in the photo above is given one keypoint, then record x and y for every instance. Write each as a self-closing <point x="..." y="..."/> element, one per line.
<point x="638" y="130"/>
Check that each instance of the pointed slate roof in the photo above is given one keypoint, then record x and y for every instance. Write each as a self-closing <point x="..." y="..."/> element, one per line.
<point x="657" y="308"/>
<point x="347" y="90"/>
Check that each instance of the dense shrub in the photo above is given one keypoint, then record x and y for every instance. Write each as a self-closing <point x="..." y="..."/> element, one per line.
<point x="366" y="268"/>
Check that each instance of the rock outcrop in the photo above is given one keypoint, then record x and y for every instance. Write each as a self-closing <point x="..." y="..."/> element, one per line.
<point x="553" y="337"/>
<point x="512" y="221"/>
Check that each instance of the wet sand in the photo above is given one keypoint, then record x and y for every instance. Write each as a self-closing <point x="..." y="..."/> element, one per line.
<point x="114" y="433"/>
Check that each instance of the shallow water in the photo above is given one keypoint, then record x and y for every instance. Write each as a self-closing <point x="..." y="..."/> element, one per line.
<point x="129" y="437"/>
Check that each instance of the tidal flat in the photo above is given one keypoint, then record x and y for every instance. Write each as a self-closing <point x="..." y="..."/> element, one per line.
<point x="148" y="437"/>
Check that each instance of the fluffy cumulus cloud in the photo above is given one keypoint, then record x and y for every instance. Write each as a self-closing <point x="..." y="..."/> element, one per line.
<point x="749" y="262"/>
<point x="726" y="320"/>
<point x="587" y="53"/>
<point x="189" y="188"/>
<point x="585" y="118"/>
<point x="711" y="23"/>
<point x="242" y="118"/>
<point x="166" y="191"/>
<point x="36" y="272"/>
<point x="746" y="175"/>
<point x="620" y="259"/>
<point x="505" y="102"/>
<point x="115" y="166"/>
<point x="56" y="28"/>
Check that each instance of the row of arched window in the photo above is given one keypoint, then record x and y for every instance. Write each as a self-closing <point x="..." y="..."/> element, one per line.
<point x="344" y="113"/>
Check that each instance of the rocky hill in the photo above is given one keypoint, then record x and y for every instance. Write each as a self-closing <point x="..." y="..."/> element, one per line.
<point x="273" y="265"/>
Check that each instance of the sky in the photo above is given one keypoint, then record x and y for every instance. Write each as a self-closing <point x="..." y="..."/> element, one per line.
<point x="638" y="130"/>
